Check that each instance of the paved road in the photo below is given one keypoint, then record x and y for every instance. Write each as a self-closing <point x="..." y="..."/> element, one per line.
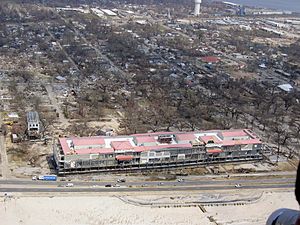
<point x="152" y="183"/>
<point x="146" y="189"/>
<point x="25" y="186"/>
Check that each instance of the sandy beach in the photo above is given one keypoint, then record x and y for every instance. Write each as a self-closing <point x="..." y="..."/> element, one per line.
<point x="92" y="211"/>
<point x="100" y="210"/>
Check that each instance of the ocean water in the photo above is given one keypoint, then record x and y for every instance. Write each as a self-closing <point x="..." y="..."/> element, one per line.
<point x="288" y="5"/>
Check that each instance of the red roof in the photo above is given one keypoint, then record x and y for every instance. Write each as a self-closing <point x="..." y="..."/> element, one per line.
<point x="205" y="139"/>
<point x="185" y="137"/>
<point x="169" y="147"/>
<point x="64" y="145"/>
<point x="124" y="157"/>
<point x="234" y="133"/>
<point x="86" y="144"/>
<point x="145" y="139"/>
<point x="214" y="151"/>
<point x="79" y="141"/>
<point x="121" y="145"/>
<point x="67" y="150"/>
<point x="210" y="59"/>
<point x="156" y="133"/>
<point x="240" y="142"/>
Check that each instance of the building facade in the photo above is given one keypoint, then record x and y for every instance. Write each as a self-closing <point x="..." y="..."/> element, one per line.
<point x="33" y="124"/>
<point x="154" y="150"/>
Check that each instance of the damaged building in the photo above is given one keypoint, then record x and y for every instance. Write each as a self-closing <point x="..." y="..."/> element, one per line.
<point x="154" y="150"/>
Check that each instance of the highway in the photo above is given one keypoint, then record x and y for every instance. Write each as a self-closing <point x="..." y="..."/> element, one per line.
<point x="152" y="183"/>
<point x="16" y="185"/>
<point x="145" y="189"/>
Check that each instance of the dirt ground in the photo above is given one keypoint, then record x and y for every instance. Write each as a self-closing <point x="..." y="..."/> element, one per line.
<point x="28" y="158"/>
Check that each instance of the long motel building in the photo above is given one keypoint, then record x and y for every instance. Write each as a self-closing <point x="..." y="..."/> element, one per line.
<point x="154" y="150"/>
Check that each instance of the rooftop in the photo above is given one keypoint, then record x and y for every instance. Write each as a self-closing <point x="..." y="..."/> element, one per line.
<point x="185" y="137"/>
<point x="210" y="138"/>
<point x="121" y="145"/>
<point x="137" y="142"/>
<point x="83" y="141"/>
<point x="32" y="117"/>
<point x="145" y="139"/>
<point x="234" y="133"/>
<point x="286" y="87"/>
<point x="210" y="59"/>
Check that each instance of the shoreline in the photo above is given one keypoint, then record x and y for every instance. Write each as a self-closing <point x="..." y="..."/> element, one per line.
<point x="266" y="6"/>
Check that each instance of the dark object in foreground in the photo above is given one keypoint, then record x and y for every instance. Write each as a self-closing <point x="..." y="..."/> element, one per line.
<point x="287" y="216"/>
<point x="284" y="217"/>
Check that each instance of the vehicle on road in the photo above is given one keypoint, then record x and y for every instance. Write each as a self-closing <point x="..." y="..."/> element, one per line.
<point x="70" y="185"/>
<point x="238" y="185"/>
<point x="117" y="185"/>
<point x="121" y="180"/>
<point x="46" y="177"/>
<point x="160" y="184"/>
<point x="180" y="180"/>
<point x="108" y="185"/>
<point x="34" y="178"/>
